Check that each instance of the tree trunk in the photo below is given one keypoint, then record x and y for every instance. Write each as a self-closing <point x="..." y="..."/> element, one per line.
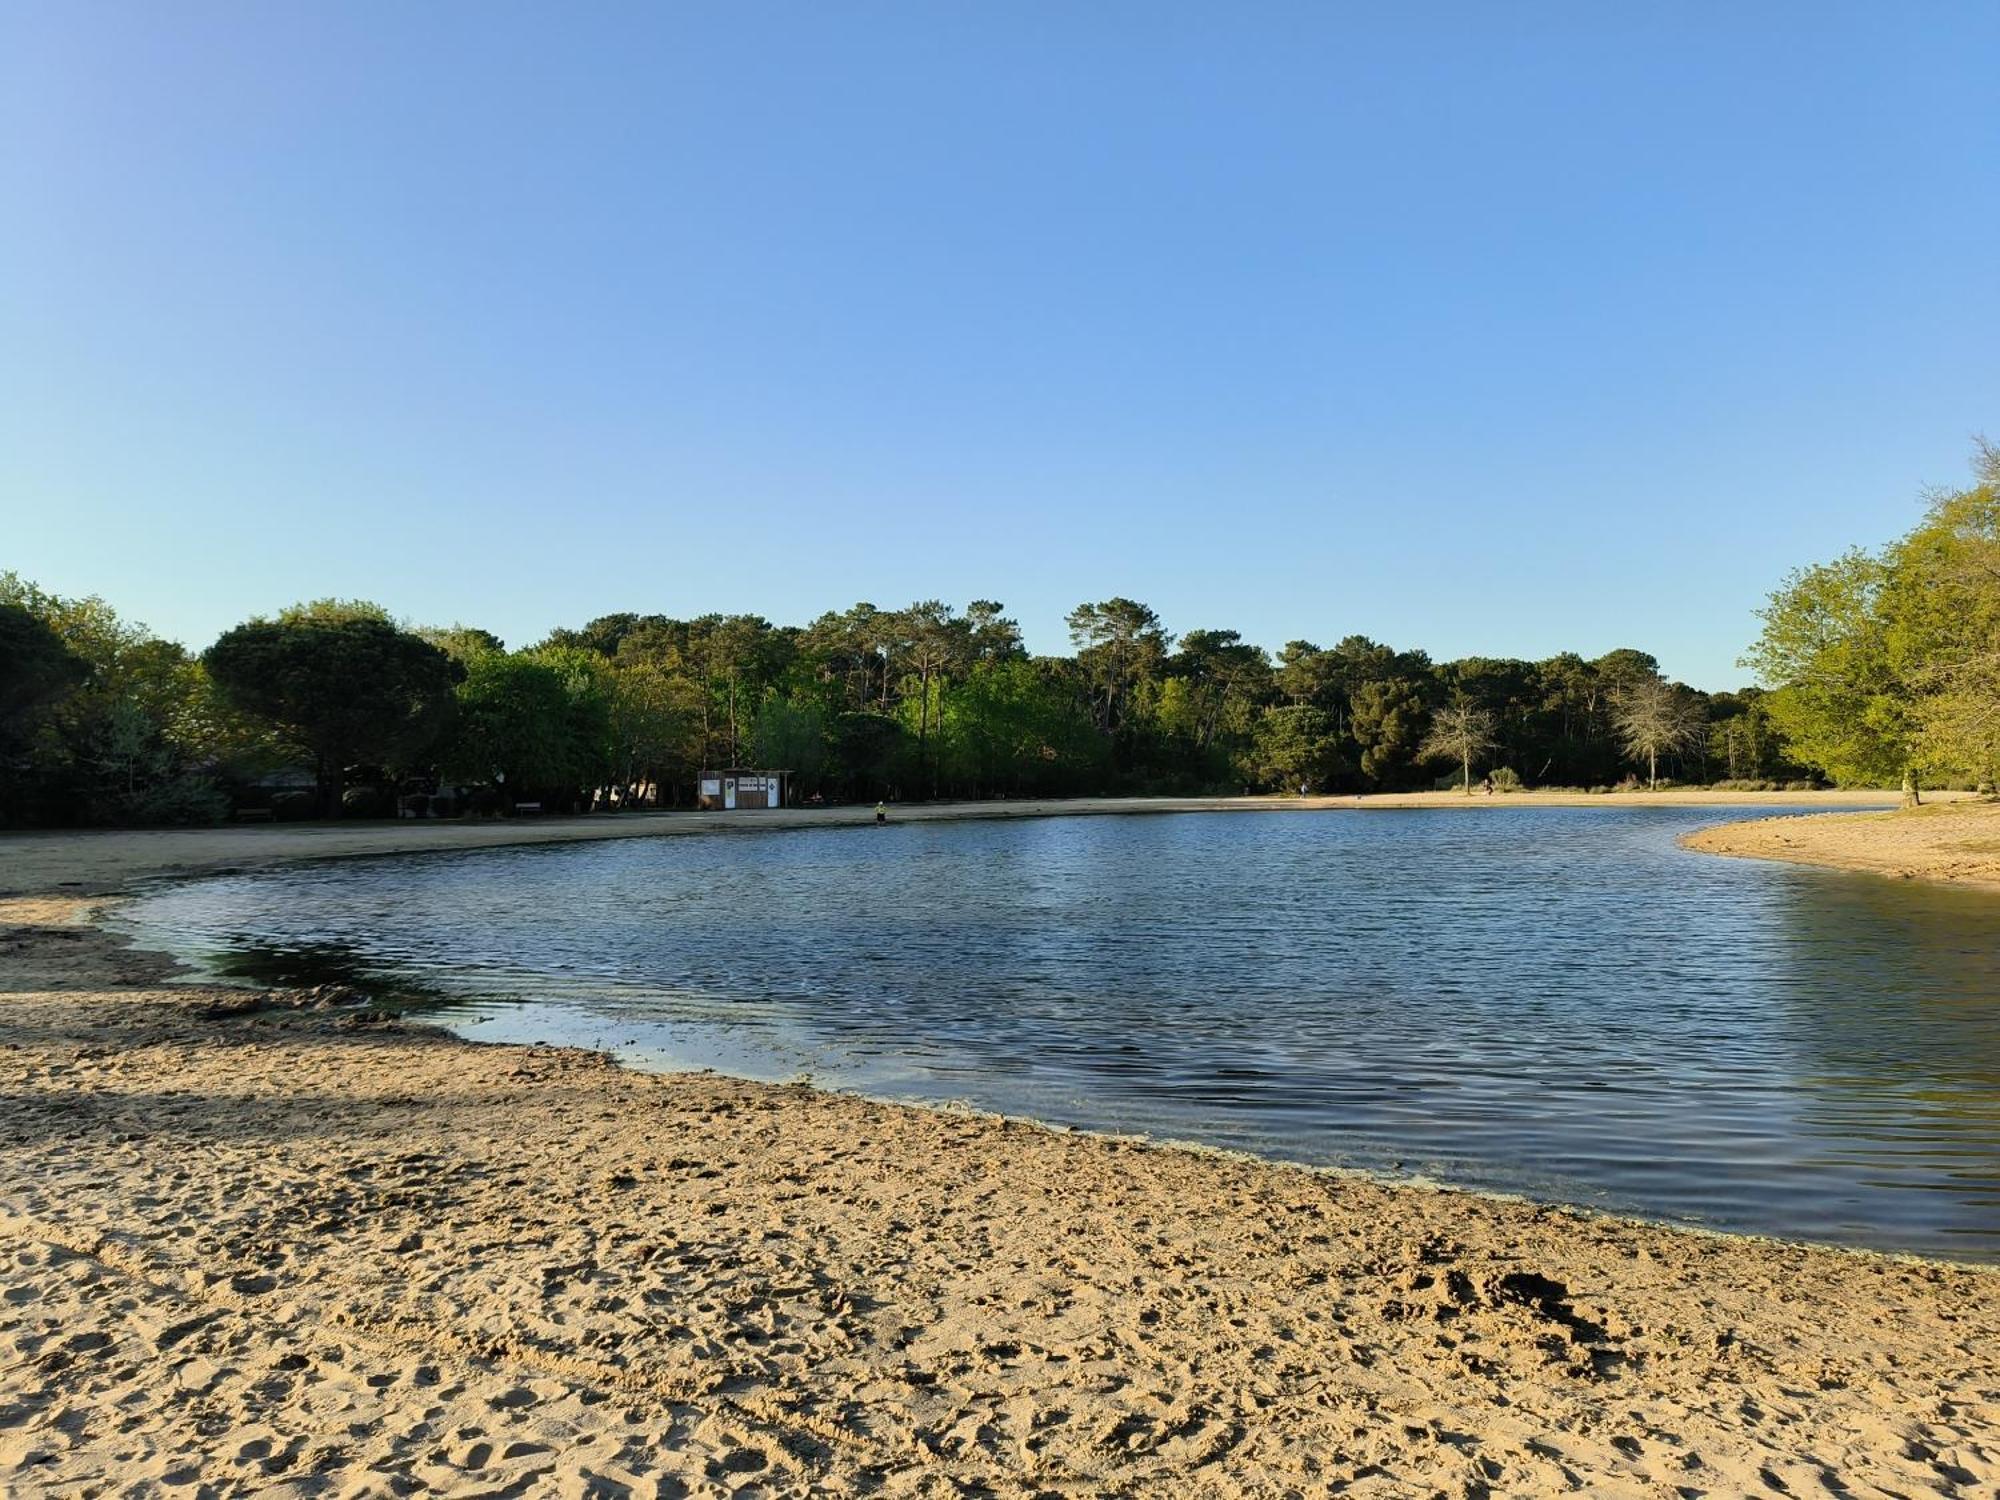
<point x="1911" y="796"/>
<point x="1652" y="770"/>
<point x="1466" y="785"/>
<point x="924" y="727"/>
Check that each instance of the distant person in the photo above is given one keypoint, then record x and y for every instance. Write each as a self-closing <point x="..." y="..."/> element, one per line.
<point x="881" y="812"/>
<point x="1488" y="785"/>
<point x="1302" y="788"/>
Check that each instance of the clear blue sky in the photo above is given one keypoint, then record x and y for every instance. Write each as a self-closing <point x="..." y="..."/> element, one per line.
<point x="1482" y="328"/>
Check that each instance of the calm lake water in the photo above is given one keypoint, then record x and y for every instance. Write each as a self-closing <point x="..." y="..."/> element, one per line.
<point x="1552" y="1001"/>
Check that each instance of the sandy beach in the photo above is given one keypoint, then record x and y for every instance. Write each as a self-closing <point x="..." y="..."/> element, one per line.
<point x="1955" y="841"/>
<point x="268" y="1244"/>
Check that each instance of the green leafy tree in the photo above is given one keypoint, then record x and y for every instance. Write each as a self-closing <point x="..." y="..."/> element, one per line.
<point x="1837" y="694"/>
<point x="876" y="754"/>
<point x="126" y="740"/>
<point x="653" y="720"/>
<point x="463" y="642"/>
<point x="37" y="670"/>
<point x="1295" y="745"/>
<point x="1743" y="743"/>
<point x="1226" y="679"/>
<point x="340" y="682"/>
<point x="1308" y="676"/>
<point x="537" y="724"/>
<point x="1017" y="726"/>
<point x="36" y="667"/>
<point x="1942" y="603"/>
<point x="1389" y="718"/>
<point x="1120" y="645"/>
<point x="792" y="737"/>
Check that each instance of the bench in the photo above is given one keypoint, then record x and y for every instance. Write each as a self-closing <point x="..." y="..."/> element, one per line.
<point x="527" y="807"/>
<point x="252" y="815"/>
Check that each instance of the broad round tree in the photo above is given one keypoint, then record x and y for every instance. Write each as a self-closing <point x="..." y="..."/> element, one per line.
<point x="340" y="681"/>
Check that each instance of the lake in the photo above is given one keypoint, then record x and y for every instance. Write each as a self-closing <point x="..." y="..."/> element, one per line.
<point x="1558" y="1002"/>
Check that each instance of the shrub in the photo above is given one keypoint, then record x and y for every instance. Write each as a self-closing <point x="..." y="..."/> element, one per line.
<point x="1505" y="779"/>
<point x="292" y="807"/>
<point x="1801" y="786"/>
<point x="362" y="802"/>
<point x="183" y="800"/>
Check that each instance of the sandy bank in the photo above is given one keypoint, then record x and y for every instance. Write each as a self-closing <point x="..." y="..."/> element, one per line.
<point x="102" y="861"/>
<point x="294" y="1253"/>
<point x="1957" y="842"/>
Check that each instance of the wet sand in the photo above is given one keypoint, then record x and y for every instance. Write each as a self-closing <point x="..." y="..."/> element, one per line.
<point x="1957" y="842"/>
<point x="294" y="1251"/>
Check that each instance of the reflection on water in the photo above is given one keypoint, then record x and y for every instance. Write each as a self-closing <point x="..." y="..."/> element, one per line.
<point x="1554" y="1001"/>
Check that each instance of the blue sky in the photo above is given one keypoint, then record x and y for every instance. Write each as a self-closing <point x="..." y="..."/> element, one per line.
<point x="1496" y="329"/>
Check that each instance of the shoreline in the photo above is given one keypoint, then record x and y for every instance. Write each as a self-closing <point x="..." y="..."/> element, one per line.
<point x="1955" y="842"/>
<point x="299" y="1250"/>
<point x="90" y="912"/>
<point x="1139" y="1288"/>
<point x="108" y="861"/>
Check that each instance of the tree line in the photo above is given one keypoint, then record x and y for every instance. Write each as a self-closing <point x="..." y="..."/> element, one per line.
<point x="1885" y="665"/>
<point x="103" y="723"/>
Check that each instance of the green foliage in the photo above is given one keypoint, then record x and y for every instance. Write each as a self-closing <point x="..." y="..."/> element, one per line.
<point x="1388" y="720"/>
<point x="654" y="717"/>
<point x="1836" y="695"/>
<point x="1120" y="647"/>
<point x="1887" y="665"/>
<point x="792" y="737"/>
<point x="1743" y="744"/>
<point x="1019" y="727"/>
<point x="1295" y="745"/>
<point x="36" y="667"/>
<point x="340" y="683"/>
<point x="464" y="642"/>
<point x="877" y="754"/>
<point x="100" y="721"/>
<point x="1943" y="608"/>
<point x="538" y="724"/>
<point x="927" y="700"/>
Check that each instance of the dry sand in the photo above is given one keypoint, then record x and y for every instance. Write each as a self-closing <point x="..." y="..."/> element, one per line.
<point x="295" y="1252"/>
<point x="1957" y="842"/>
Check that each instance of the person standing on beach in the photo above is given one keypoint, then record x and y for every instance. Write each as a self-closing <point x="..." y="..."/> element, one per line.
<point x="881" y="812"/>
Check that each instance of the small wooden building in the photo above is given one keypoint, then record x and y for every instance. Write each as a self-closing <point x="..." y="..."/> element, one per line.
<point x="736" y="787"/>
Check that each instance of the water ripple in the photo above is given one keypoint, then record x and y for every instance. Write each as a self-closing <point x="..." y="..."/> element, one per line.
<point x="1553" y="1001"/>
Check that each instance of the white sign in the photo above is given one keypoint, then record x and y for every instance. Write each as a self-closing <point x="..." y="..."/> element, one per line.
<point x="711" y="787"/>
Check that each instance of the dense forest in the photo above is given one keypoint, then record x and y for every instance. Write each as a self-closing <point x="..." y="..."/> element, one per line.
<point x="1878" y="667"/>
<point x="104" y="723"/>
